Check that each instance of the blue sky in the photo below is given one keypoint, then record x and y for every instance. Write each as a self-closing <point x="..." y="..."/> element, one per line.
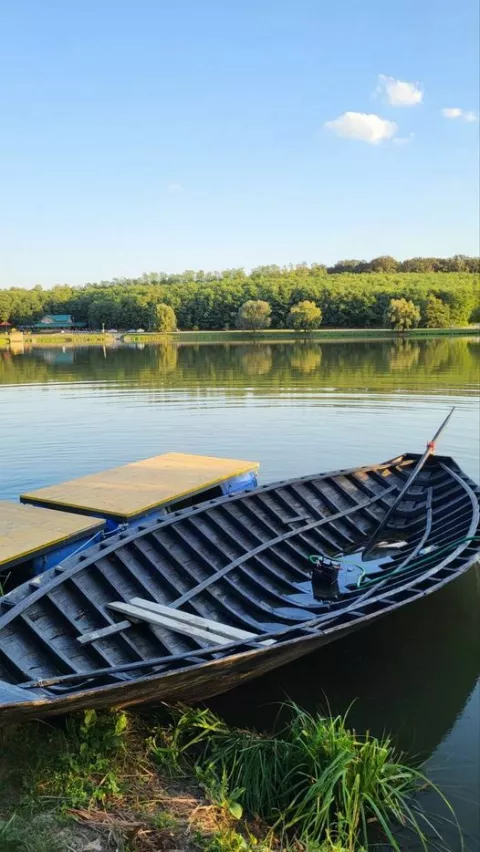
<point x="156" y="135"/>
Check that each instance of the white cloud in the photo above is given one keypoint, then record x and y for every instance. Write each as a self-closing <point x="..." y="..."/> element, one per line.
<point x="452" y="112"/>
<point x="456" y="112"/>
<point x="399" y="93"/>
<point x="404" y="140"/>
<point x="364" y="126"/>
<point x="175" y="187"/>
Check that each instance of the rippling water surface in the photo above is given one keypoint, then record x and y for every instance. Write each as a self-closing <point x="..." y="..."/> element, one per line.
<point x="296" y="408"/>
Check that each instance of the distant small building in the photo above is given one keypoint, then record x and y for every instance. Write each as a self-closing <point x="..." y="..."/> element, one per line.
<point x="57" y="322"/>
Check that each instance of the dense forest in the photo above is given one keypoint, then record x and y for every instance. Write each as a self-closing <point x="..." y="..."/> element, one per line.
<point x="348" y="294"/>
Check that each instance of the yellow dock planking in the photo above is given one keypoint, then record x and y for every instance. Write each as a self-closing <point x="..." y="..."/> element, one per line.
<point x="27" y="530"/>
<point x="133" y="489"/>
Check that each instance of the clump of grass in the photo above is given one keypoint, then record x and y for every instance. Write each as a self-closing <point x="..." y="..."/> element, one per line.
<point x="317" y="782"/>
<point x="19" y="835"/>
<point x="78" y="765"/>
<point x="88" y="768"/>
<point x="232" y="841"/>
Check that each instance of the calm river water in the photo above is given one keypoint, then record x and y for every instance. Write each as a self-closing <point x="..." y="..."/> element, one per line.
<point x="296" y="408"/>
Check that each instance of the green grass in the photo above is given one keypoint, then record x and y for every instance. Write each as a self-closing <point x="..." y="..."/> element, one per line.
<point x="317" y="782"/>
<point x="19" y="835"/>
<point x="189" y="782"/>
<point x="66" y="339"/>
<point x="267" y="336"/>
<point x="279" y="335"/>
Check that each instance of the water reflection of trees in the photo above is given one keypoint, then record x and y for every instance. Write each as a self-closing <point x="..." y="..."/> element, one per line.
<point x="167" y="358"/>
<point x="404" y="355"/>
<point x="375" y="365"/>
<point x="306" y="357"/>
<point x="256" y="360"/>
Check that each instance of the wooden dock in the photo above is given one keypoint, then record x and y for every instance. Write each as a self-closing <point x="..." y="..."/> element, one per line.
<point x="133" y="490"/>
<point x="27" y="531"/>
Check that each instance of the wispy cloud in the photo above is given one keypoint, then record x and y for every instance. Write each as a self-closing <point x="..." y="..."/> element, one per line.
<point x="366" y="127"/>
<point x="175" y="187"/>
<point x="462" y="114"/>
<point x="404" y="140"/>
<point x="399" y="93"/>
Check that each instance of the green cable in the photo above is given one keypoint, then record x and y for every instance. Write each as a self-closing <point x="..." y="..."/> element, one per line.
<point x="426" y="559"/>
<point x="413" y="567"/>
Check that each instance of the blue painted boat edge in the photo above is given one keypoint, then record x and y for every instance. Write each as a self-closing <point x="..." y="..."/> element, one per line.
<point x="49" y="558"/>
<point x="53" y="556"/>
<point x="242" y="482"/>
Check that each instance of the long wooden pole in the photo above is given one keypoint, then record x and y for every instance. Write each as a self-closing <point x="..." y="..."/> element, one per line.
<point x="418" y="467"/>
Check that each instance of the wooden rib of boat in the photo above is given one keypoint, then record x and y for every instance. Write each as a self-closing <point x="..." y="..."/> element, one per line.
<point x="191" y="606"/>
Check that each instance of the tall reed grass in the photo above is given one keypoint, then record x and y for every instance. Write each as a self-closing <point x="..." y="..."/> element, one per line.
<point x="316" y="782"/>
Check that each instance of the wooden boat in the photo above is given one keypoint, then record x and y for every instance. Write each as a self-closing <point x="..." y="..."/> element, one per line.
<point x="190" y="606"/>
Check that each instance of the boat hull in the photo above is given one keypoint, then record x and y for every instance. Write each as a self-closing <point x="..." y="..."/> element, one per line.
<point x="240" y="561"/>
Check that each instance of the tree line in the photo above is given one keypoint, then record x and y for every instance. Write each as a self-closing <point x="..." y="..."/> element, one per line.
<point x="213" y="301"/>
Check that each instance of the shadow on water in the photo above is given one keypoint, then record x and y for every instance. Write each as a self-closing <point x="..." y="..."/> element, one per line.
<point x="410" y="673"/>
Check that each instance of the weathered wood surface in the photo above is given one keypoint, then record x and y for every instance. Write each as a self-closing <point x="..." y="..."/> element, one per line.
<point x="95" y="635"/>
<point x="141" y="614"/>
<point x="240" y="568"/>
<point x="26" y="531"/>
<point x="133" y="489"/>
<point x="206" y="681"/>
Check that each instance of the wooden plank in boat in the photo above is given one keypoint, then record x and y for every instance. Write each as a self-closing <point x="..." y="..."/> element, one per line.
<point x="142" y="614"/>
<point x="104" y="632"/>
<point x="134" y="489"/>
<point x="186" y="622"/>
<point x="226" y="630"/>
<point x="27" y="531"/>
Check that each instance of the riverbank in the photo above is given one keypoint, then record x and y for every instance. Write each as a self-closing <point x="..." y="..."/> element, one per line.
<point x="265" y="336"/>
<point x="37" y="340"/>
<point x="182" y="780"/>
<point x="281" y="335"/>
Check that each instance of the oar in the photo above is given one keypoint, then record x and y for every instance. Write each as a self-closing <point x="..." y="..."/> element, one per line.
<point x="418" y="467"/>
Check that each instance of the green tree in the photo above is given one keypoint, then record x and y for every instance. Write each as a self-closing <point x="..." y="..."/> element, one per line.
<point x="6" y="304"/>
<point x="437" y="313"/>
<point x="163" y="318"/>
<point x="304" y="316"/>
<point x="385" y="263"/>
<point x="103" y="312"/>
<point x="475" y="315"/>
<point x="342" y="266"/>
<point x="402" y="314"/>
<point x="254" y="315"/>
